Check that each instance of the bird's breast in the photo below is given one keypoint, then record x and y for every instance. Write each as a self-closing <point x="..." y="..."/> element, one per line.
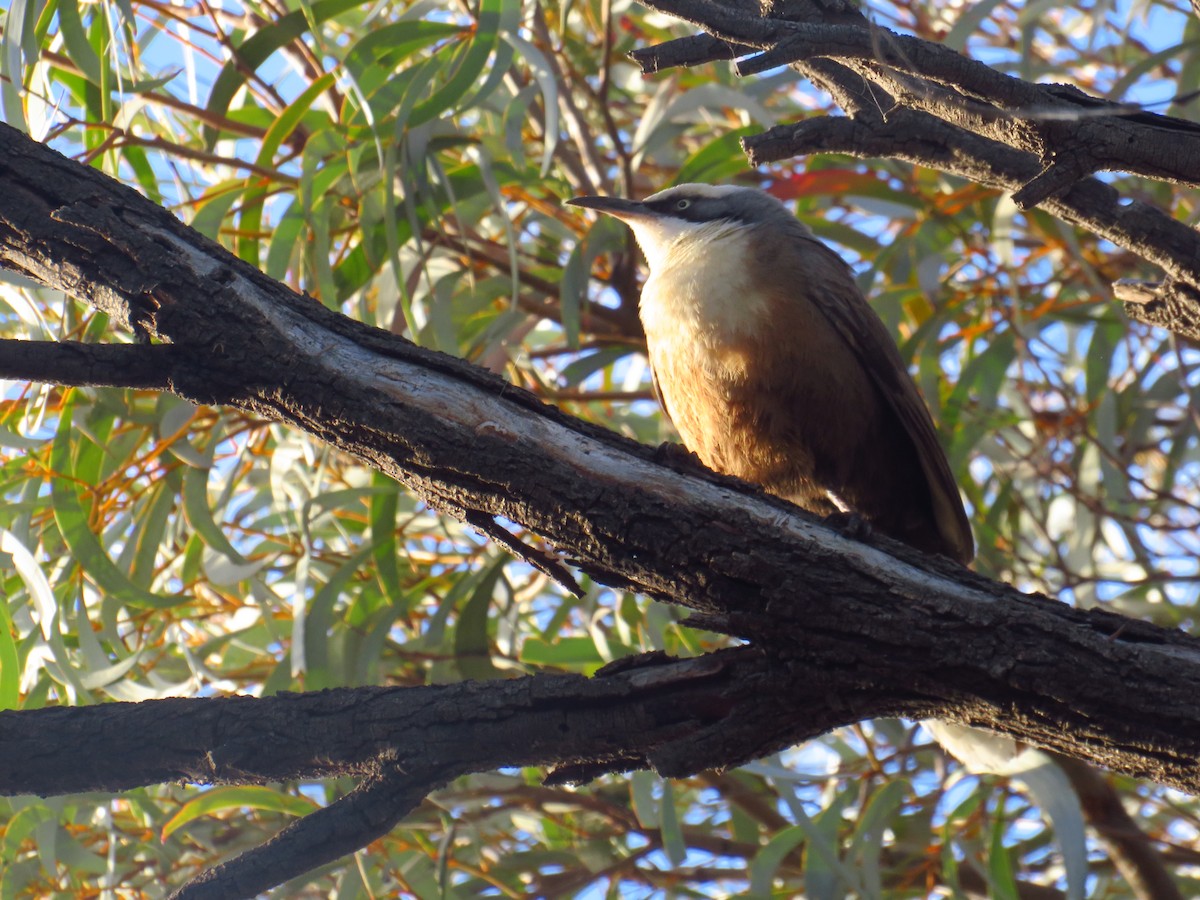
<point x="706" y="326"/>
<point x="700" y="302"/>
<point x="754" y="377"/>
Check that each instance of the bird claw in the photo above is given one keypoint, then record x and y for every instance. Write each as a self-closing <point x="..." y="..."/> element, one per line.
<point x="850" y="524"/>
<point x="677" y="457"/>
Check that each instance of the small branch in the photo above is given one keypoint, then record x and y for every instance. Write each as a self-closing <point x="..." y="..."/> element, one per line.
<point x="368" y="812"/>
<point x="1136" y="857"/>
<point x="1050" y="182"/>
<point x="1172" y="305"/>
<point x="925" y="140"/>
<point x="544" y="562"/>
<point x="724" y="22"/>
<point x="71" y="363"/>
<point x="687" y="51"/>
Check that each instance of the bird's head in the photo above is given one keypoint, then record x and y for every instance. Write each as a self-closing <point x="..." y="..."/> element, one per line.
<point x="690" y="213"/>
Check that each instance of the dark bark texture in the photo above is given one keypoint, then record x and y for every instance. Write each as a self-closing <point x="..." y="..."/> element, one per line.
<point x="853" y="617"/>
<point x="842" y="630"/>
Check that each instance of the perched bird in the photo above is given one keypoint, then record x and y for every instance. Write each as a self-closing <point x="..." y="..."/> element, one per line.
<point x="774" y="368"/>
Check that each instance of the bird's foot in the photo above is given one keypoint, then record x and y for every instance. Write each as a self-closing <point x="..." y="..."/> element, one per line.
<point x="850" y="524"/>
<point x="677" y="457"/>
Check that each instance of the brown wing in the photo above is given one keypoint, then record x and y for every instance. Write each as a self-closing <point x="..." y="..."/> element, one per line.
<point x="857" y="324"/>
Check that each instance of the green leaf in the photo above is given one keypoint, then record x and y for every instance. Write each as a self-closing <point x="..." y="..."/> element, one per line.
<point x="75" y="38"/>
<point x="1052" y="791"/>
<point x="979" y="384"/>
<point x="825" y="878"/>
<point x="373" y="59"/>
<point x="319" y="623"/>
<point x="18" y="27"/>
<point x="645" y="804"/>
<point x="284" y="239"/>
<point x="968" y="22"/>
<point x="219" y="799"/>
<point x="384" y="503"/>
<point x="10" y="660"/>
<point x="1001" y="880"/>
<point x="84" y="547"/>
<point x="491" y="17"/>
<point x="254" y="51"/>
<point x="472" y="643"/>
<point x="150" y="522"/>
<point x="674" y="844"/>
<point x="510" y="240"/>
<point x="211" y="215"/>
<point x="199" y="514"/>
<point x="866" y="845"/>
<point x="719" y="160"/>
<point x="767" y="861"/>
<point x="543" y="73"/>
<point x="575" y="653"/>
<point x="577" y="273"/>
<point x="250" y="243"/>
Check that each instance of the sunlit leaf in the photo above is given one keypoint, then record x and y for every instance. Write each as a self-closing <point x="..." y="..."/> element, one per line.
<point x="219" y="799"/>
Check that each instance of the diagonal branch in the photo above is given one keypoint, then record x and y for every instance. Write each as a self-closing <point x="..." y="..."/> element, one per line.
<point x="921" y="139"/>
<point x="861" y="621"/>
<point x="381" y="800"/>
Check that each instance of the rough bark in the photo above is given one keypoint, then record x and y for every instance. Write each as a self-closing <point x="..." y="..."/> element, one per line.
<point x="857" y="618"/>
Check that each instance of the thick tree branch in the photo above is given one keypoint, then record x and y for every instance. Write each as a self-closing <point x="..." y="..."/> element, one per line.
<point x="860" y="619"/>
<point x="678" y="716"/>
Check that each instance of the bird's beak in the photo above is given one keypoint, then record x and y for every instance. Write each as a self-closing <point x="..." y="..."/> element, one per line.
<point x="614" y="206"/>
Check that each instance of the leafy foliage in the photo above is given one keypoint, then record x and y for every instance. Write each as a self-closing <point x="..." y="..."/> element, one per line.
<point x="406" y="163"/>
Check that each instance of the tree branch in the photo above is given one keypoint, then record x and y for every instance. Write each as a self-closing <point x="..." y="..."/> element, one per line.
<point x="677" y="716"/>
<point x="1171" y="305"/>
<point x="1055" y="122"/>
<point x="927" y="635"/>
<point x="842" y="630"/>
<point x="89" y="365"/>
<point x="379" y="801"/>
<point x="921" y="139"/>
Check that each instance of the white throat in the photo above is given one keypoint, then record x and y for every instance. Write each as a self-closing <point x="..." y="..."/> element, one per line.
<point x="699" y="288"/>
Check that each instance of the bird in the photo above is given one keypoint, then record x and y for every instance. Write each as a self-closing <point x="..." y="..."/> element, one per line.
<point x="774" y="368"/>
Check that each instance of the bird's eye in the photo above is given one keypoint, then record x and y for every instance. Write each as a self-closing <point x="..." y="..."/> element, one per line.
<point x="683" y="203"/>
